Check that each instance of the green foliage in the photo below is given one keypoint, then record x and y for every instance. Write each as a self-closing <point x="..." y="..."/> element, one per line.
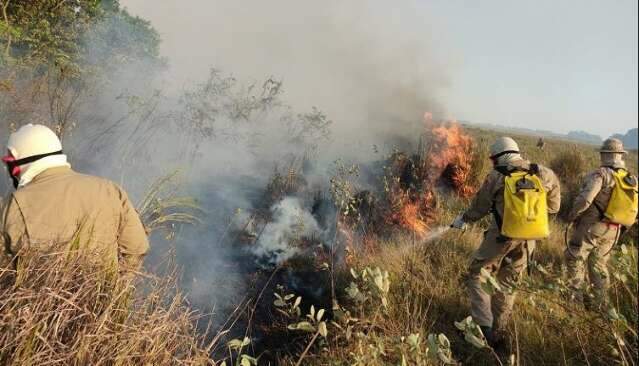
<point x="56" y="55"/>
<point x="371" y="286"/>
<point x="472" y="333"/>
<point x="439" y="349"/>
<point x="44" y="31"/>
<point x="38" y="33"/>
<point x="163" y="210"/>
<point x="237" y="346"/>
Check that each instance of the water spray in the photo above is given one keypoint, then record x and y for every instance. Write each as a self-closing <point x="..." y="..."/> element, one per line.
<point x="435" y="233"/>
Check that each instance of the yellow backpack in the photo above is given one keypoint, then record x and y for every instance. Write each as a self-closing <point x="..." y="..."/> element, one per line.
<point x="525" y="206"/>
<point x="622" y="207"/>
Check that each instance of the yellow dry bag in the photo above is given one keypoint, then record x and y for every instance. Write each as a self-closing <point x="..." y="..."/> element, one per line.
<point x="525" y="207"/>
<point x="622" y="207"/>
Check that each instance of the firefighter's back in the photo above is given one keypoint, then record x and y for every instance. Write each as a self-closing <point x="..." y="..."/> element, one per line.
<point x="61" y="206"/>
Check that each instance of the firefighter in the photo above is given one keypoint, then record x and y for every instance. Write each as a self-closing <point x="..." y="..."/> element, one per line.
<point x="54" y="205"/>
<point x="604" y="207"/>
<point x="520" y="195"/>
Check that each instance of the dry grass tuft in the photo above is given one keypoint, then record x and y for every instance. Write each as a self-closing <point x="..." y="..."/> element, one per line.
<point x="570" y="166"/>
<point x="65" y="310"/>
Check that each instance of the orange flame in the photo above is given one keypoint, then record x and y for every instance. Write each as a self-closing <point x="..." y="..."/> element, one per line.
<point x="447" y="159"/>
<point x="413" y="213"/>
<point x="409" y="218"/>
<point x="450" y="154"/>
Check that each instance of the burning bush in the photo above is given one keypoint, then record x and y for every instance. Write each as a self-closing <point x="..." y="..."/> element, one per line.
<point x="449" y="156"/>
<point x="444" y="159"/>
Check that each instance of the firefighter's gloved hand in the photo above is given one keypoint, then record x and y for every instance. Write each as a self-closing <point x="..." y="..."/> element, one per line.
<point x="459" y="223"/>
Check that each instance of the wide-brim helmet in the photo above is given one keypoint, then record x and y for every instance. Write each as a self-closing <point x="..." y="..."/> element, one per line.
<point x="612" y="146"/>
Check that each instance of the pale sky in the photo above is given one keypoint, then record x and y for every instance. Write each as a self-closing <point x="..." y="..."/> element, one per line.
<point x="556" y="65"/>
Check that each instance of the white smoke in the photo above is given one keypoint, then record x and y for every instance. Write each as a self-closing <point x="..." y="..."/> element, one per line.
<point x="370" y="75"/>
<point x="291" y="222"/>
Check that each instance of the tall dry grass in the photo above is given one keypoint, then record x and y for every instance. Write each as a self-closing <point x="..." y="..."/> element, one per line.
<point x="65" y="310"/>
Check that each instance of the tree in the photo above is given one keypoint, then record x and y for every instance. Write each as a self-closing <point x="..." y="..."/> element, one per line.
<point x="57" y="54"/>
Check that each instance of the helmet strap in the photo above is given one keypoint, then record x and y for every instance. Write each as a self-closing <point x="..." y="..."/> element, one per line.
<point x="13" y="165"/>
<point x="497" y="156"/>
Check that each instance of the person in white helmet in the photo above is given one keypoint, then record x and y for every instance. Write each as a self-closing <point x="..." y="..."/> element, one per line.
<point x="597" y="225"/>
<point x="54" y="206"/>
<point x="499" y="255"/>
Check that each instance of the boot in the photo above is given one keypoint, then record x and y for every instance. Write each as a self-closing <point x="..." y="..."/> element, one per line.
<point x="488" y="334"/>
<point x="495" y="339"/>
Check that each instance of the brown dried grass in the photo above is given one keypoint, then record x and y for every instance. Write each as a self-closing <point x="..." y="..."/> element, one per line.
<point x="66" y="310"/>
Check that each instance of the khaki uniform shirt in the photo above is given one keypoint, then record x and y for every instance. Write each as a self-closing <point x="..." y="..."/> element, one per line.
<point x="593" y="198"/>
<point x="491" y="194"/>
<point x="62" y="207"/>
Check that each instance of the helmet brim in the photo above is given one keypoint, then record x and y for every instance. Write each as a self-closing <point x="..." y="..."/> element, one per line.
<point x="613" y="151"/>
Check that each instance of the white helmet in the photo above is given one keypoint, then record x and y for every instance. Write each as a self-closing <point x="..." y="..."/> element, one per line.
<point x="28" y="147"/>
<point x="32" y="140"/>
<point x="503" y="145"/>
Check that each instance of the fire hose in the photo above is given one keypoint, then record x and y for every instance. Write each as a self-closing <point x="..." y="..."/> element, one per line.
<point x="566" y="233"/>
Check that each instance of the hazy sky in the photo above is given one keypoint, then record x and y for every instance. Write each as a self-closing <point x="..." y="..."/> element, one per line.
<point x="556" y="65"/>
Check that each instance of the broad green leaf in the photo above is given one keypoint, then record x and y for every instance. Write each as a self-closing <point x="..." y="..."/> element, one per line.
<point x="279" y="303"/>
<point x="249" y="359"/>
<point x="321" y="328"/>
<point x="413" y="340"/>
<point x="474" y="340"/>
<point x="237" y="343"/>
<point x="303" y="326"/>
<point x="443" y="340"/>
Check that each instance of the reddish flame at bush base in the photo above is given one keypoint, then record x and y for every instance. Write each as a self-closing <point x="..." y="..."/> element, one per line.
<point x="445" y="161"/>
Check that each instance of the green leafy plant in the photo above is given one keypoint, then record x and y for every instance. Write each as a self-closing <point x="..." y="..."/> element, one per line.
<point x="236" y="346"/>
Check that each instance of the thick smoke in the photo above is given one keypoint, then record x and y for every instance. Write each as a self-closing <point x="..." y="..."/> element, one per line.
<point x="372" y="71"/>
<point x="290" y="221"/>
<point x="355" y="78"/>
<point x="362" y="67"/>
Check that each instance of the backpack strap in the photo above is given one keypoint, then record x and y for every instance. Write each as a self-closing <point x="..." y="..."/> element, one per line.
<point x="503" y="170"/>
<point x="534" y="169"/>
<point x="498" y="220"/>
<point x="616" y="169"/>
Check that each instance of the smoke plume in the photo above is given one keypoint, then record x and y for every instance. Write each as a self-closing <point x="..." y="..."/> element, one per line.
<point x="291" y="81"/>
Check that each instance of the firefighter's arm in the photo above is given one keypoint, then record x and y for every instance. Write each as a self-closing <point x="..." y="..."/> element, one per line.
<point x="5" y="240"/>
<point x="133" y="242"/>
<point x="589" y="190"/>
<point x="483" y="202"/>
<point x="553" y="195"/>
<point x="13" y="229"/>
